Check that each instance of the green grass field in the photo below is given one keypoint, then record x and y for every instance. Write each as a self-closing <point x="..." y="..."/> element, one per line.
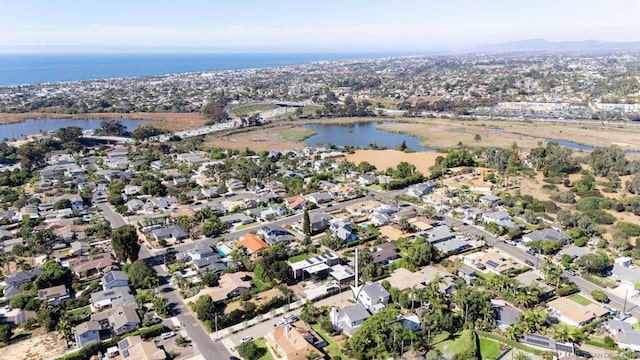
<point x="297" y="134"/>
<point x="85" y="310"/>
<point x="580" y="299"/>
<point x="489" y="349"/>
<point x="250" y="109"/>
<point x="332" y="349"/>
<point x="452" y="344"/>
<point x="247" y="225"/>
<point x="262" y="344"/>
<point x="299" y="258"/>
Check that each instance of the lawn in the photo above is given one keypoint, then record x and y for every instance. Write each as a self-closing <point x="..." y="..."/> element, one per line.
<point x="296" y="134"/>
<point x="299" y="258"/>
<point x="262" y="344"/>
<point x="600" y="281"/>
<point x="332" y="349"/>
<point x="580" y="299"/>
<point x="453" y="344"/>
<point x="260" y="285"/>
<point x="247" y="225"/>
<point x="85" y="310"/>
<point x="489" y="349"/>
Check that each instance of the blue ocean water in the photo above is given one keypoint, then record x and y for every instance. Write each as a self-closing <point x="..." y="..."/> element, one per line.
<point x="18" y="69"/>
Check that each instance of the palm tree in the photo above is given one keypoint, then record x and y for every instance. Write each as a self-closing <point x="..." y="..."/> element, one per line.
<point x="477" y="138"/>
<point x="65" y="329"/>
<point x="521" y="356"/>
<point x="526" y="300"/>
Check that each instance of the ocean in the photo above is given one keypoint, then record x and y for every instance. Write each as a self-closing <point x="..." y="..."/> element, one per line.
<point x="17" y="69"/>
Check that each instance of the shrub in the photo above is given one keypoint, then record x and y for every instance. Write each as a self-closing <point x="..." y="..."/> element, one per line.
<point x="153" y="331"/>
<point x="599" y="296"/>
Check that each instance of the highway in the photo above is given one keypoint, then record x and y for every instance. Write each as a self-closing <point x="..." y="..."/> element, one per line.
<point x="585" y="286"/>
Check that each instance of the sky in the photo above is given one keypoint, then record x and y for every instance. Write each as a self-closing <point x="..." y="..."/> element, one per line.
<point x="305" y="26"/>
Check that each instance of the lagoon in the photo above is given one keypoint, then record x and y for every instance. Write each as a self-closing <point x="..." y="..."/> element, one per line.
<point x="23" y="129"/>
<point x="360" y="135"/>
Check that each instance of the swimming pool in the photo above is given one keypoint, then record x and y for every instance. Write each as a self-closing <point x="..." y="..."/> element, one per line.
<point x="223" y="249"/>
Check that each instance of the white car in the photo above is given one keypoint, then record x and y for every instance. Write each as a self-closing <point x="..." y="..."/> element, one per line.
<point x="246" y="339"/>
<point x="167" y="335"/>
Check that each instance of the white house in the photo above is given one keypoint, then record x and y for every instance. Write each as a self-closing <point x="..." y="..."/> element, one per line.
<point x="372" y="295"/>
<point x="348" y="319"/>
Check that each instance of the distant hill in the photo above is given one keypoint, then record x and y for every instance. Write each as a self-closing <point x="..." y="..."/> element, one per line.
<point x="542" y="45"/>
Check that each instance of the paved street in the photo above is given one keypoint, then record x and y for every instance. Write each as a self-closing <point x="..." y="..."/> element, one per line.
<point x="115" y="219"/>
<point x="585" y="286"/>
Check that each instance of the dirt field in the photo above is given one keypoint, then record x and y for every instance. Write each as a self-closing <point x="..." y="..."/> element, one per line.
<point x="441" y="133"/>
<point x="382" y="159"/>
<point x="45" y="346"/>
<point x="263" y="298"/>
<point x="266" y="138"/>
<point x="167" y="121"/>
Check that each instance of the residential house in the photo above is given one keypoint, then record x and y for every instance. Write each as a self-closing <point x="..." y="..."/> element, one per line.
<point x="494" y="262"/>
<point x="545" y="235"/>
<point x="304" y="269"/>
<point x="490" y="200"/>
<point x="622" y="261"/>
<point x="253" y="243"/>
<point x="627" y="277"/>
<point x="574" y="314"/>
<point x="296" y="203"/>
<point x="411" y="322"/>
<point x="385" y="253"/>
<point x="505" y="314"/>
<point x="87" y="333"/>
<point x="54" y="295"/>
<point x="234" y="184"/>
<point x="379" y="219"/>
<point x="124" y="319"/>
<point x="272" y="213"/>
<point x="203" y="257"/>
<point x="118" y="296"/>
<point x="273" y="234"/>
<point x="438" y="234"/>
<point x="573" y="252"/>
<point x="18" y="278"/>
<point x="320" y="198"/>
<point x="173" y="232"/>
<point x="77" y="203"/>
<point x="343" y="231"/>
<point x="238" y="218"/>
<point x="420" y="190"/>
<point x="628" y="338"/>
<point x="131" y="190"/>
<point x="135" y="205"/>
<point x="372" y="295"/>
<point x="500" y="218"/>
<point x="231" y="285"/>
<point x="296" y="341"/>
<point x="546" y="343"/>
<point x="90" y="266"/>
<point x="532" y="278"/>
<point x="348" y="319"/>
<point x="467" y="273"/>
<point x="319" y="222"/>
<point x="164" y="202"/>
<point x="134" y="348"/>
<point x="363" y="208"/>
<point x="114" y="279"/>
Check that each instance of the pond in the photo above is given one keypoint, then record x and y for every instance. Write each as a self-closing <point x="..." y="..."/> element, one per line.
<point x="23" y="129"/>
<point x="361" y="135"/>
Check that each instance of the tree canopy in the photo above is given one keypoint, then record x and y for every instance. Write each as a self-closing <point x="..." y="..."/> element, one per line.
<point x="124" y="241"/>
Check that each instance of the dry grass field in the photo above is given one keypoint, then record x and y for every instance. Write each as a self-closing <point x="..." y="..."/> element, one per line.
<point x="282" y="137"/>
<point x="45" y="346"/>
<point x="383" y="159"/>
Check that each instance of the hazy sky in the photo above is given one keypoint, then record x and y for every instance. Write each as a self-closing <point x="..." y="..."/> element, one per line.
<point x="305" y="26"/>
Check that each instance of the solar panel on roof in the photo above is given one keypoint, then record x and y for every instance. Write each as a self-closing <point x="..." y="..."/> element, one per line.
<point x="109" y="277"/>
<point x="124" y="344"/>
<point x="492" y="263"/>
<point x="565" y="348"/>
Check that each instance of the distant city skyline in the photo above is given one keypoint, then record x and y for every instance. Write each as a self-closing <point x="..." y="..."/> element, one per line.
<point x="305" y="26"/>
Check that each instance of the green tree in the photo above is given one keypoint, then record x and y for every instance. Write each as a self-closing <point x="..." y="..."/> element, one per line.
<point x="62" y="204"/>
<point x="204" y="308"/>
<point x="477" y="138"/>
<point x="69" y="134"/>
<point x="599" y="296"/>
<point x="47" y="318"/>
<point x="213" y="227"/>
<point x="248" y="350"/>
<point x="214" y="111"/>
<point x="593" y="263"/>
<point x="5" y="333"/>
<point x="306" y="223"/>
<point x="124" y="241"/>
<point x="142" y="275"/>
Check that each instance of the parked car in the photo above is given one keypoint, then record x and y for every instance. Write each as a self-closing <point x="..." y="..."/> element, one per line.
<point x="571" y="272"/>
<point x="246" y="339"/>
<point x="167" y="335"/>
<point x="529" y="262"/>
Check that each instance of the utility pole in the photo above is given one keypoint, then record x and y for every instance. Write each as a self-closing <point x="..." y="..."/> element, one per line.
<point x="624" y="307"/>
